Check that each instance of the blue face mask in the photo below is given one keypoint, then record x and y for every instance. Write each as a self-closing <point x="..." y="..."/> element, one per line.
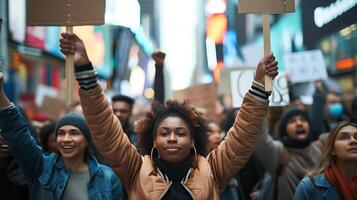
<point x="335" y="110"/>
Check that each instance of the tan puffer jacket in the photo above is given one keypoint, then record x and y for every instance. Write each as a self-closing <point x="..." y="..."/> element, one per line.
<point x="137" y="172"/>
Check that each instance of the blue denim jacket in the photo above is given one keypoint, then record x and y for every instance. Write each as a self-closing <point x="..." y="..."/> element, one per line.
<point x="47" y="173"/>
<point x="321" y="189"/>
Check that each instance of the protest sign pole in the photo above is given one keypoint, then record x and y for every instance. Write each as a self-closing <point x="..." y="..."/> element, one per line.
<point x="68" y="13"/>
<point x="69" y="74"/>
<point x="266" y="36"/>
<point x="266" y="7"/>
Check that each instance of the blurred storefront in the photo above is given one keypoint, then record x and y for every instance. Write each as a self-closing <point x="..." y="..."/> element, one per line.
<point x="331" y="26"/>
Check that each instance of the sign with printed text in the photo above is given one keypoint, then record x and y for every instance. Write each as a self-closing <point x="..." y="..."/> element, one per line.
<point x="65" y="13"/>
<point x="305" y="66"/>
<point x="241" y="81"/>
<point x="266" y="6"/>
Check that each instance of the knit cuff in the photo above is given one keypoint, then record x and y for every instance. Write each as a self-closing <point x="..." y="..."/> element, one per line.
<point x="86" y="76"/>
<point x="258" y="91"/>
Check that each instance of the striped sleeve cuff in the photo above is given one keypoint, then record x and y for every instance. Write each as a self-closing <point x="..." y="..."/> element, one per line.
<point x="86" y="76"/>
<point x="258" y="91"/>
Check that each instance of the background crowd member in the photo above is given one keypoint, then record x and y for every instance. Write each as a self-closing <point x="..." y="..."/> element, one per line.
<point x="122" y="106"/>
<point x="336" y="176"/>
<point x="253" y="171"/>
<point x="172" y="138"/>
<point x="327" y="108"/>
<point x="159" y="81"/>
<point x="74" y="173"/>
<point x="289" y="159"/>
<point x="214" y="137"/>
<point x="13" y="184"/>
<point x="48" y="137"/>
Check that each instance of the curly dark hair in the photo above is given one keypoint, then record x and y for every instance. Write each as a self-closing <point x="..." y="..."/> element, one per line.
<point x="146" y="127"/>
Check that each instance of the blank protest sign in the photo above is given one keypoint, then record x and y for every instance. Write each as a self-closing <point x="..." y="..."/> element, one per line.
<point x="65" y="12"/>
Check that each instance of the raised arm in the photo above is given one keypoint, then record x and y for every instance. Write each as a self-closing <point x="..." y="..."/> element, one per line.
<point x="268" y="151"/>
<point x="232" y="154"/>
<point x="14" y="129"/>
<point x="105" y="127"/>
<point x="159" y="82"/>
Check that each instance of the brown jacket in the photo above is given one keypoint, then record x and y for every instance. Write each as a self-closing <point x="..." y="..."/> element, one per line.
<point x="138" y="174"/>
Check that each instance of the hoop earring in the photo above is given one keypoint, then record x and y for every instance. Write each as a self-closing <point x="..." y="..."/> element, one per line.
<point x="194" y="150"/>
<point x="152" y="153"/>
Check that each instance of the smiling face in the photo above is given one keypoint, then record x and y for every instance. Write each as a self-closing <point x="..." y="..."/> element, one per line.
<point x="4" y="148"/>
<point x="71" y="142"/>
<point x="298" y="128"/>
<point x="173" y="140"/>
<point x="345" y="146"/>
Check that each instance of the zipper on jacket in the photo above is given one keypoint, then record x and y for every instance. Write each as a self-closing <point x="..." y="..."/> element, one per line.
<point x="163" y="194"/>
<point x="189" y="191"/>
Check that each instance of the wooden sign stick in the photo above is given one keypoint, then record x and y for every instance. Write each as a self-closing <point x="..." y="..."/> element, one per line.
<point x="69" y="74"/>
<point x="66" y="13"/>
<point x="266" y="35"/>
<point x="266" y="7"/>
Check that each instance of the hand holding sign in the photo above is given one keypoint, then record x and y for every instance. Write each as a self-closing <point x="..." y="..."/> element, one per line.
<point x="266" y="7"/>
<point x="67" y="13"/>
<point x="71" y="44"/>
<point x="267" y="66"/>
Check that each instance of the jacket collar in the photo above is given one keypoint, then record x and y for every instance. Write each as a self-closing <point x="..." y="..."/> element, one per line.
<point x="330" y="192"/>
<point x="53" y="161"/>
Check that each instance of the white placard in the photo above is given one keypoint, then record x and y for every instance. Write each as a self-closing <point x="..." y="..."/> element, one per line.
<point x="44" y="90"/>
<point x="305" y="66"/>
<point x="241" y="81"/>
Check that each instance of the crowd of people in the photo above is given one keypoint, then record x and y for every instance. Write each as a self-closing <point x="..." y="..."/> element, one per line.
<point x="176" y="152"/>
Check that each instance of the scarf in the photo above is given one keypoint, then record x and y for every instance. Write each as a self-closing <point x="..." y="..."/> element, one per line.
<point x="347" y="189"/>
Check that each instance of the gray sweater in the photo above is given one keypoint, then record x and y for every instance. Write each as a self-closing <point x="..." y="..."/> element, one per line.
<point x="300" y="162"/>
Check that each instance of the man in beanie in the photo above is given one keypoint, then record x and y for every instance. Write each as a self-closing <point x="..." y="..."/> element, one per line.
<point x="73" y="173"/>
<point x="289" y="159"/>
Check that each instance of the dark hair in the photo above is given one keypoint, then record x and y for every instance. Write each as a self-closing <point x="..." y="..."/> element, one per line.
<point x="146" y="127"/>
<point x="45" y="133"/>
<point x="124" y="98"/>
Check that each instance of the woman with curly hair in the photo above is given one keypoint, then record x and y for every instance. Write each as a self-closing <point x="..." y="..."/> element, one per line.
<point x="336" y="176"/>
<point x="171" y="137"/>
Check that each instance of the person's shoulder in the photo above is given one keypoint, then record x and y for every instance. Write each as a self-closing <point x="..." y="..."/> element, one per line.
<point x="105" y="168"/>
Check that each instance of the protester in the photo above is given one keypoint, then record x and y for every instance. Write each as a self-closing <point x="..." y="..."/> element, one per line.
<point x="171" y="137"/>
<point x="159" y="81"/>
<point x="48" y="137"/>
<point x="122" y="106"/>
<point x="13" y="184"/>
<point x="336" y="176"/>
<point x="327" y="109"/>
<point x="73" y="173"/>
<point x="214" y="139"/>
<point x="289" y="159"/>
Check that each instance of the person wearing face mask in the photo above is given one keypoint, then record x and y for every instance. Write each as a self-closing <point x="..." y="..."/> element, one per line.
<point x="288" y="159"/>
<point x="336" y="176"/>
<point x="327" y="108"/>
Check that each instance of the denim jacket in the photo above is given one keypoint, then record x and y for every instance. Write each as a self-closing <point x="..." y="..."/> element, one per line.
<point x="47" y="173"/>
<point x="321" y="189"/>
